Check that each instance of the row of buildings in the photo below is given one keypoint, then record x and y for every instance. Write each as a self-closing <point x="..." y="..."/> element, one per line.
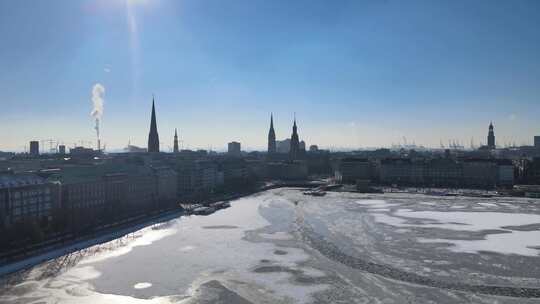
<point x="91" y="191"/>
<point x="436" y="172"/>
<point x="134" y="183"/>
<point x="85" y="194"/>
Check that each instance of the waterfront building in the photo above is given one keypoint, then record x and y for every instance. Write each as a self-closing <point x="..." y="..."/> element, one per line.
<point x="480" y="172"/>
<point x="318" y="162"/>
<point x="506" y="173"/>
<point x="349" y="170"/>
<point x="256" y="169"/>
<point x="83" y="197"/>
<point x="93" y="194"/>
<point x="116" y="191"/>
<point x="166" y="181"/>
<point x="234" y="171"/>
<point x="185" y="170"/>
<point x="207" y="176"/>
<point x="197" y="176"/>
<point x="141" y="191"/>
<point x="443" y="172"/>
<point x="26" y="197"/>
<point x="532" y="171"/>
<point x="401" y="171"/>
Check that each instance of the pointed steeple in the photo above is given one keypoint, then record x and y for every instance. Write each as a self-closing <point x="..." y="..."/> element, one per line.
<point x="153" y="124"/>
<point x="271" y="136"/>
<point x="175" y="141"/>
<point x="153" y="137"/>
<point x="295" y="142"/>
<point x="295" y="129"/>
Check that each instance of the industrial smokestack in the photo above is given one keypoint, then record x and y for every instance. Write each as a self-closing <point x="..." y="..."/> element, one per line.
<point x="98" y="91"/>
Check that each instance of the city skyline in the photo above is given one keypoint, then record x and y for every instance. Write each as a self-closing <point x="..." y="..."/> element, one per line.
<point x="346" y="78"/>
<point x="154" y="145"/>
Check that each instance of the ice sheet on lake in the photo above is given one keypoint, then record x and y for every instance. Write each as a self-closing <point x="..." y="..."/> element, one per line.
<point x="374" y="204"/>
<point x="517" y="242"/>
<point x="458" y="220"/>
<point x="510" y="242"/>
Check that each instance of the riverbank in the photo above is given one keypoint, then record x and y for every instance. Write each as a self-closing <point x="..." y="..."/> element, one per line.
<point x="52" y="252"/>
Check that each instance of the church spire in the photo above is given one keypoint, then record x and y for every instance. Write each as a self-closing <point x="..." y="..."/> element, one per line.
<point x="175" y="141"/>
<point x="153" y="137"/>
<point x="491" y="137"/>
<point x="295" y="142"/>
<point x="271" y="136"/>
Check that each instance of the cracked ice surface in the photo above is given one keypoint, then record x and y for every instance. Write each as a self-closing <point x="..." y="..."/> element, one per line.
<point x="280" y="246"/>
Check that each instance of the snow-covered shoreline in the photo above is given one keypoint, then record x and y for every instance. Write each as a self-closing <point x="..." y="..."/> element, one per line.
<point x="79" y="245"/>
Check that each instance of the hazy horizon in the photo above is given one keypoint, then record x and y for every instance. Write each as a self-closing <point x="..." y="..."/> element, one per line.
<point x="357" y="73"/>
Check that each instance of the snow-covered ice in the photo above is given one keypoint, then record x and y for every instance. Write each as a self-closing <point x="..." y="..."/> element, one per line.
<point x="517" y="242"/>
<point x="258" y="251"/>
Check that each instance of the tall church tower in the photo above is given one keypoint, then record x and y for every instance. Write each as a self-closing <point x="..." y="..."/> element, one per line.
<point x="491" y="137"/>
<point x="153" y="137"/>
<point x="175" y="141"/>
<point x="271" y="137"/>
<point x="295" y="143"/>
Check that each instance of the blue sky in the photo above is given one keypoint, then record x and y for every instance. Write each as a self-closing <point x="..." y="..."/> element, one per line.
<point x="357" y="73"/>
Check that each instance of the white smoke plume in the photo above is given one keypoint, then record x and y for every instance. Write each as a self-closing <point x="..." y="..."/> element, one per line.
<point x="98" y="91"/>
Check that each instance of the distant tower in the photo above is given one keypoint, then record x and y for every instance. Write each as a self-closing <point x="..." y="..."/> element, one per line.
<point x="271" y="137"/>
<point x="175" y="141"/>
<point x="491" y="137"/>
<point x="153" y="137"/>
<point x="34" y="147"/>
<point x="234" y="149"/>
<point x="295" y="143"/>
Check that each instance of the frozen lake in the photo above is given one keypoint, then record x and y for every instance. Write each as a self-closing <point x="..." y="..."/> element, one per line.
<point x="280" y="246"/>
